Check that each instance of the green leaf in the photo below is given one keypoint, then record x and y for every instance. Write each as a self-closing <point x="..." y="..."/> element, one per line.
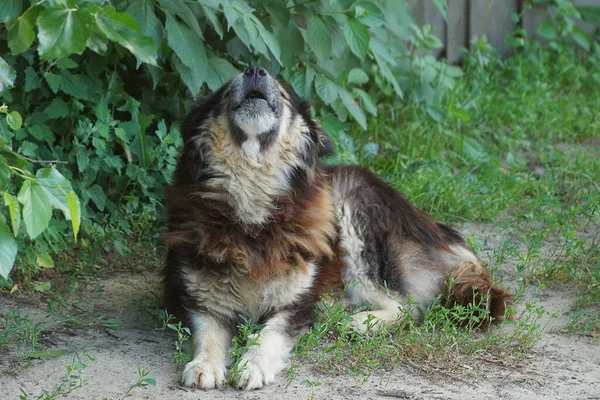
<point x="143" y="12"/>
<point x="387" y="74"/>
<point x="219" y="72"/>
<point x="10" y="9"/>
<point x="53" y="80"/>
<point x="63" y="31"/>
<point x="291" y="37"/>
<point x="56" y="188"/>
<point x="353" y="108"/>
<point x="46" y="354"/>
<point x="581" y="38"/>
<point x="42" y="287"/>
<point x="460" y="114"/>
<point x="546" y="29"/>
<point x="357" y="75"/>
<point x="123" y="29"/>
<point x="57" y="109"/>
<point x="37" y="209"/>
<point x="357" y="36"/>
<point x="366" y="101"/>
<point x="318" y="37"/>
<point x="44" y="260"/>
<point x="112" y="323"/>
<point x="14" y="120"/>
<point x="590" y="14"/>
<point x="20" y="30"/>
<point x="8" y="250"/>
<point x="190" y="51"/>
<point x="75" y="211"/>
<point x="270" y="40"/>
<point x="183" y="11"/>
<point x="14" y="211"/>
<point x="4" y="175"/>
<point x="7" y="75"/>
<point x="214" y="20"/>
<point x="97" y="43"/>
<point x="326" y="89"/>
<point x="368" y="13"/>
<point x="32" y="79"/>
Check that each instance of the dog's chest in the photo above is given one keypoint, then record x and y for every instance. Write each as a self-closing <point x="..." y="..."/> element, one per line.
<point x="231" y="295"/>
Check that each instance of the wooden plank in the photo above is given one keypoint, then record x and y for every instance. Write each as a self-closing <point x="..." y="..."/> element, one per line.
<point x="588" y="28"/>
<point x="532" y="18"/>
<point x="492" y="18"/>
<point x="457" y="31"/>
<point x="426" y="12"/>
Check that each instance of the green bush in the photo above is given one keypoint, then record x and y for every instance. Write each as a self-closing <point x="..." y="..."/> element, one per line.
<point x="93" y="91"/>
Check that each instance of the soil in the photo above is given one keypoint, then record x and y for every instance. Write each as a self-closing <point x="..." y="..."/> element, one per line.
<point x="560" y="365"/>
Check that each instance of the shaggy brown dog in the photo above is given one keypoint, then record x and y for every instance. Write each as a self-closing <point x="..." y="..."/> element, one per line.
<point x="259" y="229"/>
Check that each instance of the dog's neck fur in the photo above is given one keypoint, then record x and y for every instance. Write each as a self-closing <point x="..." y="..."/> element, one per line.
<point x="249" y="179"/>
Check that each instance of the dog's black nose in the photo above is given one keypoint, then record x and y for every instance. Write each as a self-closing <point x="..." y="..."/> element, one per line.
<point x="255" y="73"/>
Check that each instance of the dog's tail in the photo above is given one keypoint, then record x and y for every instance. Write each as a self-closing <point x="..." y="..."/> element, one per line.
<point x="470" y="284"/>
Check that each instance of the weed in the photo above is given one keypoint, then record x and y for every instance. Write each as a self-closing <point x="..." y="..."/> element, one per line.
<point x="180" y="356"/>
<point x="142" y="382"/>
<point x="247" y="335"/>
<point x="18" y="331"/>
<point x="72" y="380"/>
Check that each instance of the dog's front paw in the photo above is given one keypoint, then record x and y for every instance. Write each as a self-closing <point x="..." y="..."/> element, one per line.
<point x="254" y="374"/>
<point x="365" y="321"/>
<point x="203" y="375"/>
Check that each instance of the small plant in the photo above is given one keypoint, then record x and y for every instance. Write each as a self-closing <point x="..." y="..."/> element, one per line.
<point x="71" y="381"/>
<point x="183" y="334"/>
<point x="246" y="337"/>
<point x="142" y="382"/>
<point x="18" y="331"/>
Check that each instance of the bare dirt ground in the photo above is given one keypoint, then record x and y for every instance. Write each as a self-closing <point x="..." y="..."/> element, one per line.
<point x="560" y="366"/>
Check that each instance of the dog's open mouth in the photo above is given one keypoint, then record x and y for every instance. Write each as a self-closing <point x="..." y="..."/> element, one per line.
<point x="255" y="94"/>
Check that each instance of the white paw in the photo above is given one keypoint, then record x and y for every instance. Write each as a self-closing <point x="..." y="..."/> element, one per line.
<point x="254" y="375"/>
<point x="363" y="322"/>
<point x="203" y="375"/>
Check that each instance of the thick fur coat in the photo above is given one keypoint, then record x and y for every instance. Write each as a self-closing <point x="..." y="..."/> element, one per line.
<point x="259" y="229"/>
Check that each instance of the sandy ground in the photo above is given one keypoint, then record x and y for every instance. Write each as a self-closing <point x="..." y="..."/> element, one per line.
<point x="560" y="366"/>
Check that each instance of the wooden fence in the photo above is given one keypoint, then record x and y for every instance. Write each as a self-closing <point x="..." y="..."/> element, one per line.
<point x="493" y="18"/>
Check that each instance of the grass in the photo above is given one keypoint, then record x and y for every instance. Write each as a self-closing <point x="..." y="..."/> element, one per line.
<point x="527" y="161"/>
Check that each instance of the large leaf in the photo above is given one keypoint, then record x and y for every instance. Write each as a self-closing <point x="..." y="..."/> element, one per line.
<point x="4" y="174"/>
<point x="123" y="29"/>
<point x="8" y="250"/>
<point x="20" y="30"/>
<point x="326" y="89"/>
<point x="368" y="13"/>
<point x="190" y="50"/>
<point x="357" y="36"/>
<point x="214" y="20"/>
<point x="63" y="31"/>
<point x="7" y="75"/>
<point x="37" y="209"/>
<point x="318" y="37"/>
<point x="143" y="12"/>
<point x="10" y="9"/>
<point x="219" y="72"/>
<point x="353" y="108"/>
<point x="75" y="211"/>
<point x="14" y="211"/>
<point x="270" y="40"/>
<point x="56" y="187"/>
<point x="357" y="75"/>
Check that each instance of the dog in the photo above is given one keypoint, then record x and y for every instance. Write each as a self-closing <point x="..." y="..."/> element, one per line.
<point x="258" y="228"/>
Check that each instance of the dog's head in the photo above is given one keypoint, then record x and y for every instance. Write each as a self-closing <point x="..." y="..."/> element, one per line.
<point x="257" y="112"/>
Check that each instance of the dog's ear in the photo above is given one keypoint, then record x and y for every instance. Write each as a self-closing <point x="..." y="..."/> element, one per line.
<point x="324" y="143"/>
